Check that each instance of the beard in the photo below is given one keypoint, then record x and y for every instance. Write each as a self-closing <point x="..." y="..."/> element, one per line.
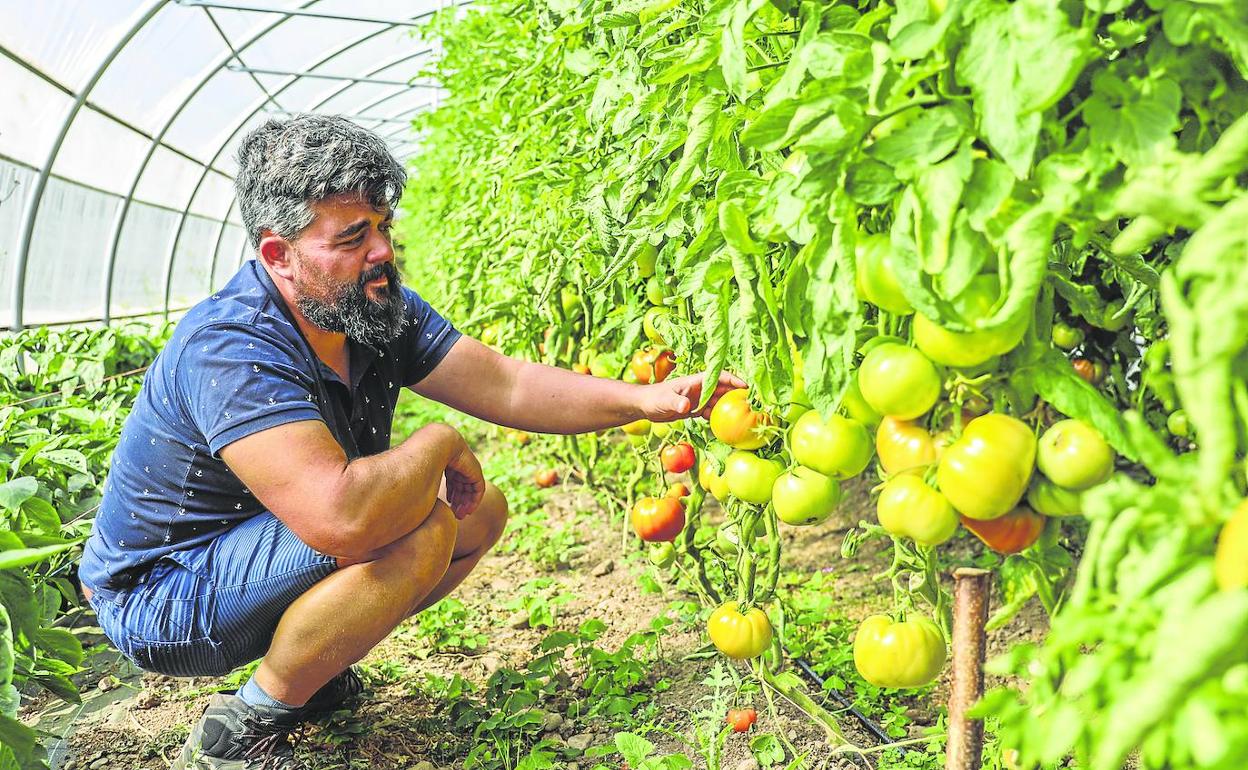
<point x="347" y="308"/>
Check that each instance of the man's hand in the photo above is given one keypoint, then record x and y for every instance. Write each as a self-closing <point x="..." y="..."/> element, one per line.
<point x="675" y="399"/>
<point x="465" y="483"/>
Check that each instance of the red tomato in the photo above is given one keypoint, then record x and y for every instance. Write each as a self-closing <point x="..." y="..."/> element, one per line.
<point x="1015" y="531"/>
<point x="658" y="519"/>
<point x="742" y="719"/>
<point x="677" y="458"/>
<point x="652" y="365"/>
<point x="546" y="478"/>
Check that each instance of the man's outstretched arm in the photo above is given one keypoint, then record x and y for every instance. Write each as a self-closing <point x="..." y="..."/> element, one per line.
<point x="477" y="380"/>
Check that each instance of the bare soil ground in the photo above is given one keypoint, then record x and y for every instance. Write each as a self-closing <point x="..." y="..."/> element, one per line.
<point x="134" y="720"/>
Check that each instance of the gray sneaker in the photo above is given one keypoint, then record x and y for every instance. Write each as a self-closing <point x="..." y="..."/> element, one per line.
<point x="341" y="691"/>
<point x="234" y="735"/>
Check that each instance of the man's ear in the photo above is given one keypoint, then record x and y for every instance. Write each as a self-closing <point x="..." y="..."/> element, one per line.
<point x="276" y="253"/>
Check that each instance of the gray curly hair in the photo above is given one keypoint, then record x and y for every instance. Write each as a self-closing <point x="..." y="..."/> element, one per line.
<point x="284" y="165"/>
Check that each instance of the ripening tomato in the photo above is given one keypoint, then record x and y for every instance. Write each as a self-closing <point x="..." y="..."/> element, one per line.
<point x="647" y="255"/>
<point x="962" y="349"/>
<point x="677" y="458"/>
<point x="546" y="478"/>
<point x="741" y="719"/>
<point x="647" y="325"/>
<point x="737" y="634"/>
<point x="856" y="406"/>
<point x="908" y="507"/>
<point x="906" y="654"/>
<point x="652" y="365"/>
<point x="839" y="446"/>
<point x="902" y="445"/>
<point x="520" y="437"/>
<point x="636" y="427"/>
<point x="750" y="477"/>
<point x="986" y="471"/>
<point x="1074" y="455"/>
<point x="660" y="430"/>
<point x="712" y="481"/>
<point x="734" y="421"/>
<point x="1014" y="532"/>
<point x="658" y="519"/>
<point x="876" y="280"/>
<point x="804" y="496"/>
<point x="677" y="490"/>
<point x="1048" y="498"/>
<point x="898" y="381"/>
<point x="581" y="368"/>
<point x="1091" y="372"/>
<point x="1230" y="561"/>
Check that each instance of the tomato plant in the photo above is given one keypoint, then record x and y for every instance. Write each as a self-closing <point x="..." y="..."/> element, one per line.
<point x="652" y="365"/>
<point x="1230" y="561"/>
<point x="876" y="280"/>
<point x="547" y="477"/>
<point x="971" y="348"/>
<point x="902" y="445"/>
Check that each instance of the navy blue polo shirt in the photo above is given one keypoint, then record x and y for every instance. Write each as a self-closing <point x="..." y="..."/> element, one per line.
<point x="235" y="365"/>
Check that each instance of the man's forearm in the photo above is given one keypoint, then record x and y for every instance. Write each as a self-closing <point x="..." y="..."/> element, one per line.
<point x="392" y="493"/>
<point x="547" y="399"/>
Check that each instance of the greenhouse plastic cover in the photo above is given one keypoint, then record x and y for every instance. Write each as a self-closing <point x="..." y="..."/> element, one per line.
<point x="134" y="109"/>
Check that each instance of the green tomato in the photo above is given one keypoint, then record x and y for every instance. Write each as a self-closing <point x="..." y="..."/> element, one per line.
<point x="1178" y="424"/>
<point x="663" y="555"/>
<point x="1074" y="455"/>
<point x="1048" y="498"/>
<point x="750" y="477"/>
<point x="1067" y="337"/>
<point x="902" y="655"/>
<point x="986" y="471"/>
<point x="604" y="365"/>
<point x="898" y="381"/>
<point x="646" y="258"/>
<point x="640" y="442"/>
<point x="964" y="349"/>
<point x="875" y="277"/>
<point x="857" y="407"/>
<point x="1114" y="319"/>
<point x="839" y="446"/>
<point x="802" y="496"/>
<point x="647" y="325"/>
<point x="656" y="291"/>
<point x="910" y="508"/>
<point x="570" y="301"/>
<point x="661" y="430"/>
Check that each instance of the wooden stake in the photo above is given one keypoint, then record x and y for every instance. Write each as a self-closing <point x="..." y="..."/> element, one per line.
<point x="970" y="613"/>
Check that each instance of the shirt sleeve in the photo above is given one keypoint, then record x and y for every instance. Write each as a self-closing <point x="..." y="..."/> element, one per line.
<point x="426" y="340"/>
<point x="235" y="381"/>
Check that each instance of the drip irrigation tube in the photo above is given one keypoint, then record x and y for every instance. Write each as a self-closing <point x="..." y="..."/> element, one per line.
<point x="870" y="726"/>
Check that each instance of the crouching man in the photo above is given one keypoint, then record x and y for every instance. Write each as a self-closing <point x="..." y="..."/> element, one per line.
<point x="254" y="507"/>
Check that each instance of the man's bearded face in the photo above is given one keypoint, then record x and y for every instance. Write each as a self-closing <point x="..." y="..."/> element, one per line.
<point x="347" y="307"/>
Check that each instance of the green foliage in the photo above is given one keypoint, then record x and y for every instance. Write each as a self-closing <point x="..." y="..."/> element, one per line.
<point x="448" y="626"/>
<point x="63" y="397"/>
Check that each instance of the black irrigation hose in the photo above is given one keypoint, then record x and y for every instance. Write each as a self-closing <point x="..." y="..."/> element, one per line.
<point x="871" y="727"/>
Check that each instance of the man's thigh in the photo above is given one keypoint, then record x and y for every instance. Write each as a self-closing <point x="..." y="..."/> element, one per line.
<point x="213" y="608"/>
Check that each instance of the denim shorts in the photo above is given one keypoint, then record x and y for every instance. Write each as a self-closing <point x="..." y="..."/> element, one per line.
<point x="211" y="609"/>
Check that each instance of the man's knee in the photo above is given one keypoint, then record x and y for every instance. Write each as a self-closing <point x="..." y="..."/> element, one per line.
<point x="494" y="504"/>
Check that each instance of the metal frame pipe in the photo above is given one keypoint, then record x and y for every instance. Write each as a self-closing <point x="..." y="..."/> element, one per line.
<point x="312" y="14"/>
<point x="327" y="76"/>
<point x="36" y="193"/>
<point x="173" y="248"/>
